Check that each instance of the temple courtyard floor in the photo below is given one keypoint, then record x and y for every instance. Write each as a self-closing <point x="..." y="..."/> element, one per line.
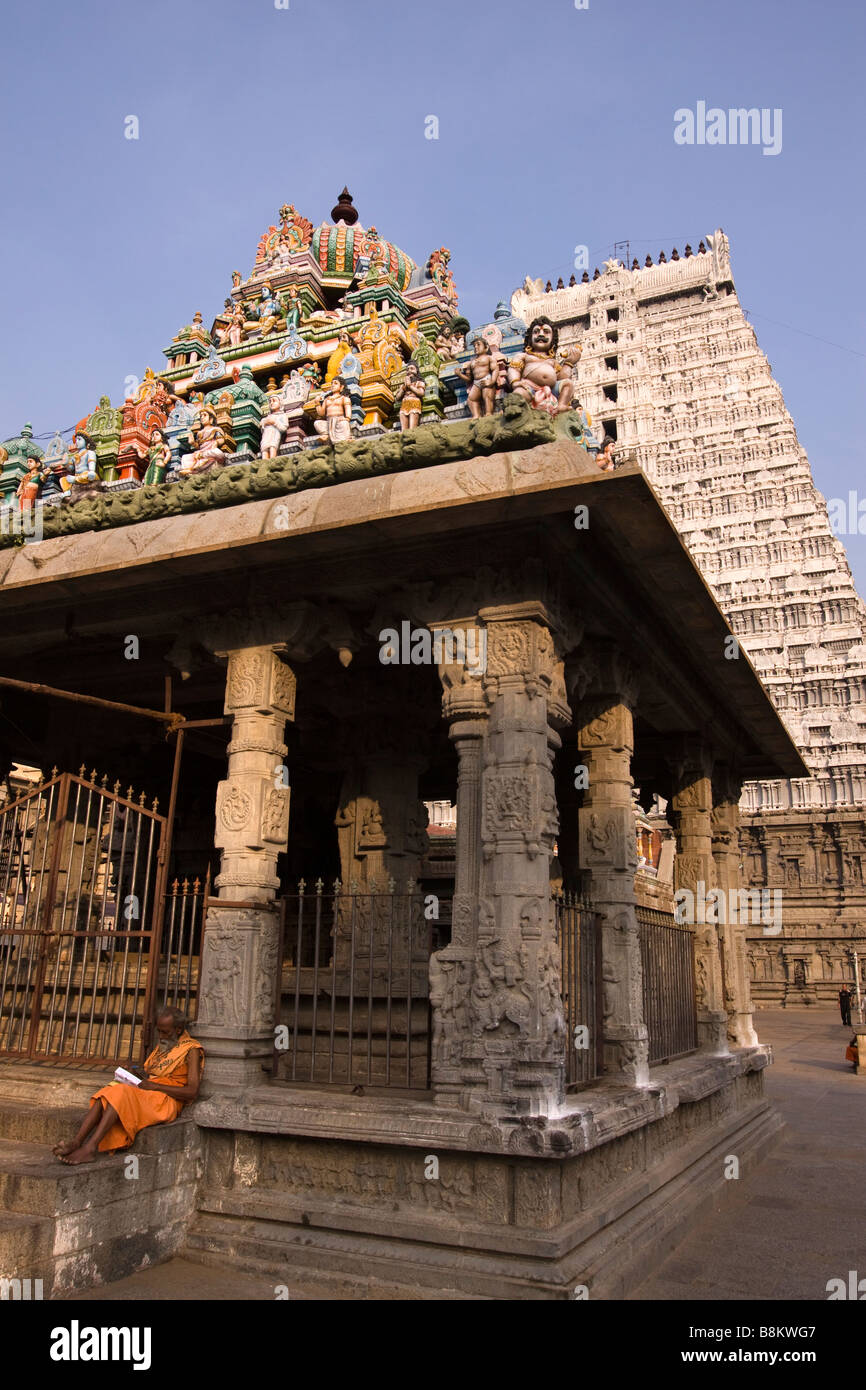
<point x="780" y="1233"/>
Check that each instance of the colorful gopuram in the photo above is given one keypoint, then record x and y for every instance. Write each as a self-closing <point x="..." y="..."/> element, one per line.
<point x="336" y="334"/>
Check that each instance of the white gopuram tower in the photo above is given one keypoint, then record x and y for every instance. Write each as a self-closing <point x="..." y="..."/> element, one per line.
<point x="672" y="369"/>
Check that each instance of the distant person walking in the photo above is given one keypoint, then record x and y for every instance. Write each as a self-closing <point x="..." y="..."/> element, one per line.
<point x="845" y="1005"/>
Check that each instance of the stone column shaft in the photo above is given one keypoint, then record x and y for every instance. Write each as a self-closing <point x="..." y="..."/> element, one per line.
<point x="498" y="1019"/>
<point x="726" y="854"/>
<point x="237" y="989"/>
<point x="608" y="853"/>
<point x="694" y="873"/>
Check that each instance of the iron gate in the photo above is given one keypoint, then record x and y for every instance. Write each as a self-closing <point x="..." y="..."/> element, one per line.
<point x="82" y="874"/>
<point x="579" y="935"/>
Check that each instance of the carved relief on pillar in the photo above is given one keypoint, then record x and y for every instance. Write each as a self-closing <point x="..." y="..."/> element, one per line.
<point x="501" y="990"/>
<point x="258" y="680"/>
<point x="605" y="722"/>
<point x="275" y="816"/>
<point x="521" y="654"/>
<point x="607" y="839"/>
<point x="239" y="963"/>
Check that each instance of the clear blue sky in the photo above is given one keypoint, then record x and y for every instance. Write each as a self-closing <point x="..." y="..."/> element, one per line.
<point x="556" y="128"/>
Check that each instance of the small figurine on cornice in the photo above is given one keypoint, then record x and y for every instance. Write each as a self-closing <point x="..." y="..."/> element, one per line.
<point x="589" y="441"/>
<point x="351" y="368"/>
<point x="232" y="334"/>
<point x="295" y="231"/>
<point x="81" y="464"/>
<point x="606" y="459"/>
<point x="210" y="444"/>
<point x="237" y="280"/>
<point x="158" y="457"/>
<point x="410" y="397"/>
<point x="334" y="410"/>
<point x="30" y="486"/>
<point x="537" y="372"/>
<point x="291" y="307"/>
<point x="437" y="269"/>
<point x="483" y="374"/>
<point x="274" y="426"/>
<point x="266" y="315"/>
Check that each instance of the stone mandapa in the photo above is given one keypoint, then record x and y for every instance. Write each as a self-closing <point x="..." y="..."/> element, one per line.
<point x="518" y="427"/>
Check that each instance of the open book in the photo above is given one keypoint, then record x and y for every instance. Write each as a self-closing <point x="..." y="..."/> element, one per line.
<point x="121" y="1074"/>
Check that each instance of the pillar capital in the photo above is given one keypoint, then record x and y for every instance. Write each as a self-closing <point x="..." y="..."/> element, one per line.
<point x="599" y="668"/>
<point x="259" y="682"/>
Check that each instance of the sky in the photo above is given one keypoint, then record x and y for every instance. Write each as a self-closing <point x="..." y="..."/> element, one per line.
<point x="555" y="129"/>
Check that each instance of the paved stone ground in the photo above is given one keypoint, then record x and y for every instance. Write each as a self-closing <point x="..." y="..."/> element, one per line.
<point x="800" y="1218"/>
<point x="782" y="1232"/>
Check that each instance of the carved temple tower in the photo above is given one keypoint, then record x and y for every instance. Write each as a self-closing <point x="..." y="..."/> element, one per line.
<point x="673" y="371"/>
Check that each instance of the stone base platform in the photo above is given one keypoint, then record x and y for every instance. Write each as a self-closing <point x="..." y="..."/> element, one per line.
<point x="394" y="1192"/>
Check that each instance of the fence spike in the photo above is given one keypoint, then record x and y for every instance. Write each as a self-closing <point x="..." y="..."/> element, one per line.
<point x="337" y="885"/>
<point x="302" y="883"/>
<point x="129" y="793"/>
<point x="353" y="885"/>
<point x="155" y="803"/>
<point x="142" y="799"/>
<point x="391" y="883"/>
<point x="116" y="788"/>
<point x="412" y="886"/>
<point x="82" y="771"/>
<point x="319" y="886"/>
<point x="93" y="775"/>
<point x="174" y="886"/>
<point x="104" y="782"/>
<point x="196" y="886"/>
<point x="186" y="885"/>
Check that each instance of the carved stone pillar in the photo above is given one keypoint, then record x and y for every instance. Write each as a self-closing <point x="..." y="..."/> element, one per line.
<point x="237" y="990"/>
<point x="498" y="1020"/>
<point x="694" y="873"/>
<point x="604" y="689"/>
<point x="726" y="854"/>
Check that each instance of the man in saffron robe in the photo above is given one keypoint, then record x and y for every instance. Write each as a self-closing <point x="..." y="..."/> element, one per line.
<point x="118" y="1111"/>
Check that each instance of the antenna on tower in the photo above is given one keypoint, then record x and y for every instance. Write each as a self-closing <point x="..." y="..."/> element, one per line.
<point x="617" y="252"/>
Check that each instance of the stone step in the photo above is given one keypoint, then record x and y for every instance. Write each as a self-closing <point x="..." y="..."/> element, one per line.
<point x="39" y="1124"/>
<point x="33" y="1181"/>
<point x="26" y="1247"/>
<point x="228" y="1243"/>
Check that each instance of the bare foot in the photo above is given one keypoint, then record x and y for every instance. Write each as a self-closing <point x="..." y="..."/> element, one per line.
<point x="86" y="1154"/>
<point x="64" y="1147"/>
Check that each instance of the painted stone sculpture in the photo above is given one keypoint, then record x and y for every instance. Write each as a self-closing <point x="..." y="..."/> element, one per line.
<point x="274" y="426"/>
<point x="178" y="428"/>
<point x="210" y="441"/>
<point x="158" y="458"/>
<point x="537" y="375"/>
<point x="334" y="410"/>
<point x="266" y="316"/>
<point x="30" y="487"/>
<point x="81" y="465"/>
<point x="483" y="375"/>
<point x="606" y="459"/>
<point x="411" y="398"/>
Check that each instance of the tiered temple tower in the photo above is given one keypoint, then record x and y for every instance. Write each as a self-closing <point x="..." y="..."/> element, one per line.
<point x="673" y="371"/>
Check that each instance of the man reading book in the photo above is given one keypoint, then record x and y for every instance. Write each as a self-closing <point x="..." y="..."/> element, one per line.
<point x="173" y="1075"/>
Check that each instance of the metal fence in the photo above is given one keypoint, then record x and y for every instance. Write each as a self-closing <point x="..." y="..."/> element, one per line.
<point x="80" y="898"/>
<point x="180" y="951"/>
<point x="579" y="936"/>
<point x="353" y="1004"/>
<point x="668" y="958"/>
